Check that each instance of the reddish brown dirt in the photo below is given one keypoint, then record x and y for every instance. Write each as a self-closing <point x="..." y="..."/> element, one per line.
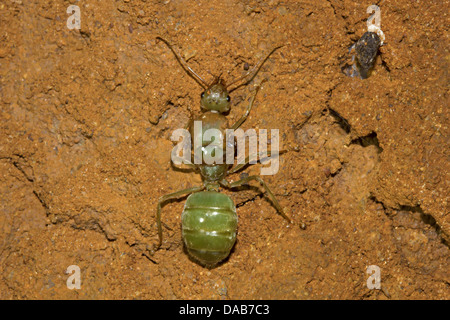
<point x="85" y="125"/>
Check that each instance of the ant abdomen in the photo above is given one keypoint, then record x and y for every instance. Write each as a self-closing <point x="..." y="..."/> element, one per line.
<point x="209" y="225"/>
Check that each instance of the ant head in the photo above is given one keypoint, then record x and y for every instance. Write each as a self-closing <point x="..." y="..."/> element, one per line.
<point x="216" y="97"/>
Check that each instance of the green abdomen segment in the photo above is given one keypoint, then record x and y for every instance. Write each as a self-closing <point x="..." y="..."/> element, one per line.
<point x="209" y="224"/>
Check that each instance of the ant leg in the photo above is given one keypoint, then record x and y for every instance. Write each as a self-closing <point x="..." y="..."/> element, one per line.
<point x="167" y="197"/>
<point x="261" y="181"/>
<point x="268" y="154"/>
<point x="239" y="166"/>
<point x="289" y="148"/>
<point x="177" y="161"/>
<point x="249" y="108"/>
<point x="189" y="165"/>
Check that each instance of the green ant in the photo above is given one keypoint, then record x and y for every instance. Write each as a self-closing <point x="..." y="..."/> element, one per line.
<point x="209" y="219"/>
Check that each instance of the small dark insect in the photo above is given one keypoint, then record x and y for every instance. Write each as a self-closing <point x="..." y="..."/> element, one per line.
<point x="366" y="50"/>
<point x="209" y="219"/>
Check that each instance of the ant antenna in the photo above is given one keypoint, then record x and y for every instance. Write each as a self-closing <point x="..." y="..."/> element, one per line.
<point x="254" y="70"/>
<point x="185" y="66"/>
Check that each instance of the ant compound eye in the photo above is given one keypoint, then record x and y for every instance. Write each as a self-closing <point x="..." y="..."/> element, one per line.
<point x="228" y="98"/>
<point x="202" y="95"/>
